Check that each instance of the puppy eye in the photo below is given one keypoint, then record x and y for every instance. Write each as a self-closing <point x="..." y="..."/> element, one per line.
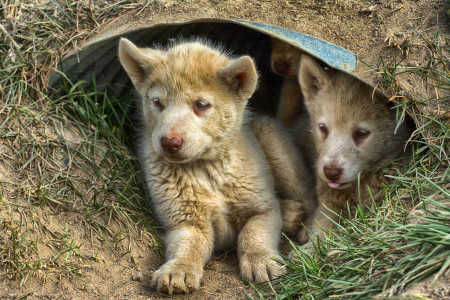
<point x="359" y="135"/>
<point x="324" y="130"/>
<point x="157" y="102"/>
<point x="200" y="106"/>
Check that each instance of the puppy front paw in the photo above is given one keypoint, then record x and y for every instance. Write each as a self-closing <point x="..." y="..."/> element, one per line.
<point x="177" y="277"/>
<point x="261" y="266"/>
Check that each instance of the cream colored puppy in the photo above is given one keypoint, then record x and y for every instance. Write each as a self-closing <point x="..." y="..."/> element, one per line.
<point x="355" y="133"/>
<point x="210" y="183"/>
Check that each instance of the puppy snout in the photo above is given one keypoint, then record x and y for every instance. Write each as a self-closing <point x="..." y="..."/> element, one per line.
<point x="171" y="144"/>
<point x="332" y="172"/>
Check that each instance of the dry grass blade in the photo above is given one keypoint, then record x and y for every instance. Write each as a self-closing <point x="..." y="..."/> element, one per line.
<point x="57" y="157"/>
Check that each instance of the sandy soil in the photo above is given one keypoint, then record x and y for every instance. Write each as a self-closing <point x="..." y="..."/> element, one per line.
<point x="123" y="270"/>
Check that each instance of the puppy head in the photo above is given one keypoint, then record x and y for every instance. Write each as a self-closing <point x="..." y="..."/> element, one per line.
<point x="353" y="127"/>
<point x="193" y="96"/>
<point x="284" y="59"/>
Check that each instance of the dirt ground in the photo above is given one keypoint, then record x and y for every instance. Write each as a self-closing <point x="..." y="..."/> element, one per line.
<point x="122" y="270"/>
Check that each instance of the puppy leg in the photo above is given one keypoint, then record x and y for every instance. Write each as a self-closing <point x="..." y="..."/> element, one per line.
<point x="290" y="101"/>
<point x="293" y="179"/>
<point x="318" y="224"/>
<point x="188" y="249"/>
<point x="293" y="216"/>
<point x="258" y="247"/>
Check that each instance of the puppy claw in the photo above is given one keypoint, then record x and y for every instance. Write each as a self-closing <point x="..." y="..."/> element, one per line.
<point x="260" y="267"/>
<point x="174" y="278"/>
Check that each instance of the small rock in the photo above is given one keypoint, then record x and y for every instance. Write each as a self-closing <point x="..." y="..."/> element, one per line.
<point x="137" y="276"/>
<point x="416" y="216"/>
<point x="368" y="10"/>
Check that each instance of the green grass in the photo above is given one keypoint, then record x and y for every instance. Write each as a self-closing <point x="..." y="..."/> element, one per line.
<point x="20" y="256"/>
<point x="60" y="154"/>
<point x="68" y="154"/>
<point x="369" y="254"/>
<point x="17" y="258"/>
<point x="386" y="249"/>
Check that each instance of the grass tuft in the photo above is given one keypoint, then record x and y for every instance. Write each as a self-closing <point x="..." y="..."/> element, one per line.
<point x="64" y="155"/>
<point x="386" y="249"/>
<point x="365" y="257"/>
<point x="17" y="252"/>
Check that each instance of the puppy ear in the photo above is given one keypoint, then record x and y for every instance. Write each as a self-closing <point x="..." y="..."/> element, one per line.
<point x="240" y="76"/>
<point x="312" y="77"/>
<point x="137" y="62"/>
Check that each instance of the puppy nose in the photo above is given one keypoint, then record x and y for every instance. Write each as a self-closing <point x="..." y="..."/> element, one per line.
<point x="332" y="172"/>
<point x="171" y="144"/>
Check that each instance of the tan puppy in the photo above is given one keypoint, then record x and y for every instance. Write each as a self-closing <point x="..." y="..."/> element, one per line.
<point x="207" y="173"/>
<point x="285" y="61"/>
<point x="355" y="132"/>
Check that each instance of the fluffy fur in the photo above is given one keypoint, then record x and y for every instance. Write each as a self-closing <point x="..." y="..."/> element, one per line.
<point x="210" y="183"/>
<point x="293" y="180"/>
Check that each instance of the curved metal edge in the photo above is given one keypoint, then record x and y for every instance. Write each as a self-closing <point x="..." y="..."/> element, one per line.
<point x="332" y="55"/>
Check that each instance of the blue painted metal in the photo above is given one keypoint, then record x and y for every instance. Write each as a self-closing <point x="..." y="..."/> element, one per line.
<point x="329" y="53"/>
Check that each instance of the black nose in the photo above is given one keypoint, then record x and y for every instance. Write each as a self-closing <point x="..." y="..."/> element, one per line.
<point x="171" y="144"/>
<point x="332" y="172"/>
